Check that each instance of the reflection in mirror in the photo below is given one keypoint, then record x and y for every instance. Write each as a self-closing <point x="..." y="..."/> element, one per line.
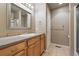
<point x="19" y="18"/>
<point x="14" y="16"/>
<point x="29" y="20"/>
<point x="24" y="18"/>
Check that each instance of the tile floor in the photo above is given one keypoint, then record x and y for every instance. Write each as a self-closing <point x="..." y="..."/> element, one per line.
<point x="61" y="50"/>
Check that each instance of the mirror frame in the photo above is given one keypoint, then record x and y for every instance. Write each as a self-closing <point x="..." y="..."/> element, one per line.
<point x="8" y="12"/>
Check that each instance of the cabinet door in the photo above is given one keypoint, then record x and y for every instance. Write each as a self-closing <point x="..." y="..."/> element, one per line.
<point x="37" y="50"/>
<point x="31" y="50"/>
<point x="26" y="49"/>
<point x="42" y="43"/>
<point x="9" y="51"/>
<point x="22" y="53"/>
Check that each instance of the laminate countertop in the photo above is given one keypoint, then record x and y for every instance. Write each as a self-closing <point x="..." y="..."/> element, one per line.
<point x="8" y="40"/>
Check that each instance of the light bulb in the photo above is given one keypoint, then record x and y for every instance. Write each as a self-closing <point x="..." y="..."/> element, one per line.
<point x="60" y="3"/>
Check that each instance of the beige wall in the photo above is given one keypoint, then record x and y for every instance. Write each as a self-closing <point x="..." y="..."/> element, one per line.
<point x="73" y="29"/>
<point x="40" y="17"/>
<point x="60" y="18"/>
<point x="2" y="19"/>
<point x="48" y="26"/>
<point x="43" y="21"/>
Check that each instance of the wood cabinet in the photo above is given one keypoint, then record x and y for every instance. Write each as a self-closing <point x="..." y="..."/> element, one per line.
<point x="34" y="46"/>
<point x="12" y="49"/>
<point x="37" y="51"/>
<point x="22" y="53"/>
<point x="31" y="50"/>
<point x="33" y="40"/>
<point x="26" y="49"/>
<point x="42" y="43"/>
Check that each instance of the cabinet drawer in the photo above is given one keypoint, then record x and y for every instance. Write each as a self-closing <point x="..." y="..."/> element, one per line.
<point x="19" y="47"/>
<point x="22" y="53"/>
<point x="33" y="40"/>
<point x="38" y="42"/>
<point x="12" y="49"/>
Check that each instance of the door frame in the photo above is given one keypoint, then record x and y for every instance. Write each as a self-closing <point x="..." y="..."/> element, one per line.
<point x="75" y="29"/>
<point x="69" y="29"/>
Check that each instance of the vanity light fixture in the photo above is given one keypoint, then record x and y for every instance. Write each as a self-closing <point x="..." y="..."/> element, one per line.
<point x="60" y="3"/>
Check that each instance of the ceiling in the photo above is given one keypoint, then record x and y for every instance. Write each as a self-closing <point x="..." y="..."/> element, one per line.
<point x="56" y="5"/>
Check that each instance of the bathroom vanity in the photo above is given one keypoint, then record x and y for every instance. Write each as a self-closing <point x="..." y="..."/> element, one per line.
<point x="23" y="45"/>
<point x="16" y="19"/>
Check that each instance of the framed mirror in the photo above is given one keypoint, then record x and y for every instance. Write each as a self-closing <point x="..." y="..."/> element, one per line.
<point x="18" y="17"/>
